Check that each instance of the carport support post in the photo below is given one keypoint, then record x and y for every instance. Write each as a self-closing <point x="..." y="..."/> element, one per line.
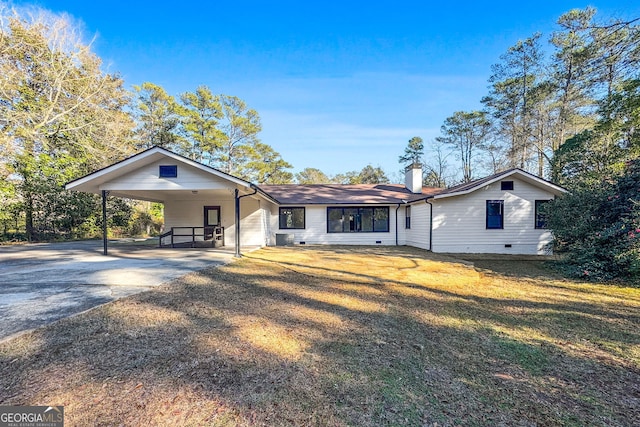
<point x="105" y="193"/>
<point x="237" y="198"/>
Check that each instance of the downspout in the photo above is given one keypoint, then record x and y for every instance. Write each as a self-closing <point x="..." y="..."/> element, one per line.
<point x="105" y="250"/>
<point x="430" y="224"/>
<point x="398" y="207"/>
<point x="237" y="199"/>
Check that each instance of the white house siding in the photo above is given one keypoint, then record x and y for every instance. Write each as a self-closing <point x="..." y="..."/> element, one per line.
<point x="315" y="231"/>
<point x="459" y="222"/>
<point x="418" y="234"/>
<point x="190" y="213"/>
<point x="180" y="212"/>
<point x="402" y="231"/>
<point x="252" y="232"/>
<point x="265" y="212"/>
<point x="146" y="178"/>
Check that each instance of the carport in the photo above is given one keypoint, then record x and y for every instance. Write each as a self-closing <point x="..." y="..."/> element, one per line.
<point x="209" y="202"/>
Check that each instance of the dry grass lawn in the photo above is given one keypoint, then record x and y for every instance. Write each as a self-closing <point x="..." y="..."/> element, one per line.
<point x="343" y="336"/>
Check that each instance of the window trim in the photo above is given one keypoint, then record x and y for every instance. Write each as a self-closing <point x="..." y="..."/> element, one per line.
<point x="501" y="203"/>
<point x="304" y="218"/>
<point x="373" y="220"/>
<point x="167" y="171"/>
<point x="536" y="215"/>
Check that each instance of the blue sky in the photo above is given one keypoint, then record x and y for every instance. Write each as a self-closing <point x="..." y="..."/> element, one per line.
<point x="338" y="85"/>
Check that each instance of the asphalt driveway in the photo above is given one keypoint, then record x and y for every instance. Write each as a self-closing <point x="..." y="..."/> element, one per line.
<point x="41" y="283"/>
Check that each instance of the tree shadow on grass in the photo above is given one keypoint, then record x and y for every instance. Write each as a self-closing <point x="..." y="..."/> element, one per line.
<point x="526" y="312"/>
<point x="264" y="345"/>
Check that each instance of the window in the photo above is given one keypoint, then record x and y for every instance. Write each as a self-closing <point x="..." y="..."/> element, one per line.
<point x="541" y="220"/>
<point x="357" y="220"/>
<point x="407" y="217"/>
<point x="495" y="213"/>
<point x="381" y="219"/>
<point x="291" y="218"/>
<point x="168" y="171"/>
<point x="506" y="185"/>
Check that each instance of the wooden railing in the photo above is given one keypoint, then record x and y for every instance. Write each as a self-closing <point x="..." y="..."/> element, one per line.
<point x="192" y="236"/>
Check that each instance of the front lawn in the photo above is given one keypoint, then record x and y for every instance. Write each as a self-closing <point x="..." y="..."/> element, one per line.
<point x="343" y="336"/>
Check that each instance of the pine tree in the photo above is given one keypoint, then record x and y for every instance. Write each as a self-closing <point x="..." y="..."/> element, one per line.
<point x="413" y="152"/>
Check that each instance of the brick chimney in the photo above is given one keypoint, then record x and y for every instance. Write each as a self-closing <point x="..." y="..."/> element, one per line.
<point x="413" y="178"/>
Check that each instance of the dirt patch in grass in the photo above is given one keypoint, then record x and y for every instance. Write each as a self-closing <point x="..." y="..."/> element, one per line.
<point x="343" y="336"/>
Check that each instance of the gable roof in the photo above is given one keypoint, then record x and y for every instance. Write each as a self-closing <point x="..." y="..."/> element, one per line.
<point x="307" y="194"/>
<point x="471" y="186"/>
<point x="145" y="157"/>
<point x="340" y="194"/>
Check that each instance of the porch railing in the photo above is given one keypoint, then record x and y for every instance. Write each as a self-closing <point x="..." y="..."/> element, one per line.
<point x="192" y="237"/>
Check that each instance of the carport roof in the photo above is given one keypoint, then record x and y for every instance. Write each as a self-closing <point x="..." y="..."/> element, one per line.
<point x="97" y="181"/>
<point x="90" y="183"/>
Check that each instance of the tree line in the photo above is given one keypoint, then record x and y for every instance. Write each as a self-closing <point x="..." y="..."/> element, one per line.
<point x="62" y="117"/>
<point x="546" y="105"/>
<point x="214" y="129"/>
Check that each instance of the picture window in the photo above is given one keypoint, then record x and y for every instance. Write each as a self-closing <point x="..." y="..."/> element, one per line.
<point x="357" y="220"/>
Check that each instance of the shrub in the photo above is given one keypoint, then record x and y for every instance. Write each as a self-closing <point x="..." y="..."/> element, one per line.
<point x="598" y="228"/>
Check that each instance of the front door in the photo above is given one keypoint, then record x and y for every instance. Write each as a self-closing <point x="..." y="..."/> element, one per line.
<point x="212" y="216"/>
<point x="211" y="221"/>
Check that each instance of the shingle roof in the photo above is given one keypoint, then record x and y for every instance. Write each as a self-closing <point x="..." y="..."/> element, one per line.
<point x="329" y="194"/>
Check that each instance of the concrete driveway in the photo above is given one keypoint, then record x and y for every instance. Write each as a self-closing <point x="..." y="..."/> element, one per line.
<point x="41" y="283"/>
